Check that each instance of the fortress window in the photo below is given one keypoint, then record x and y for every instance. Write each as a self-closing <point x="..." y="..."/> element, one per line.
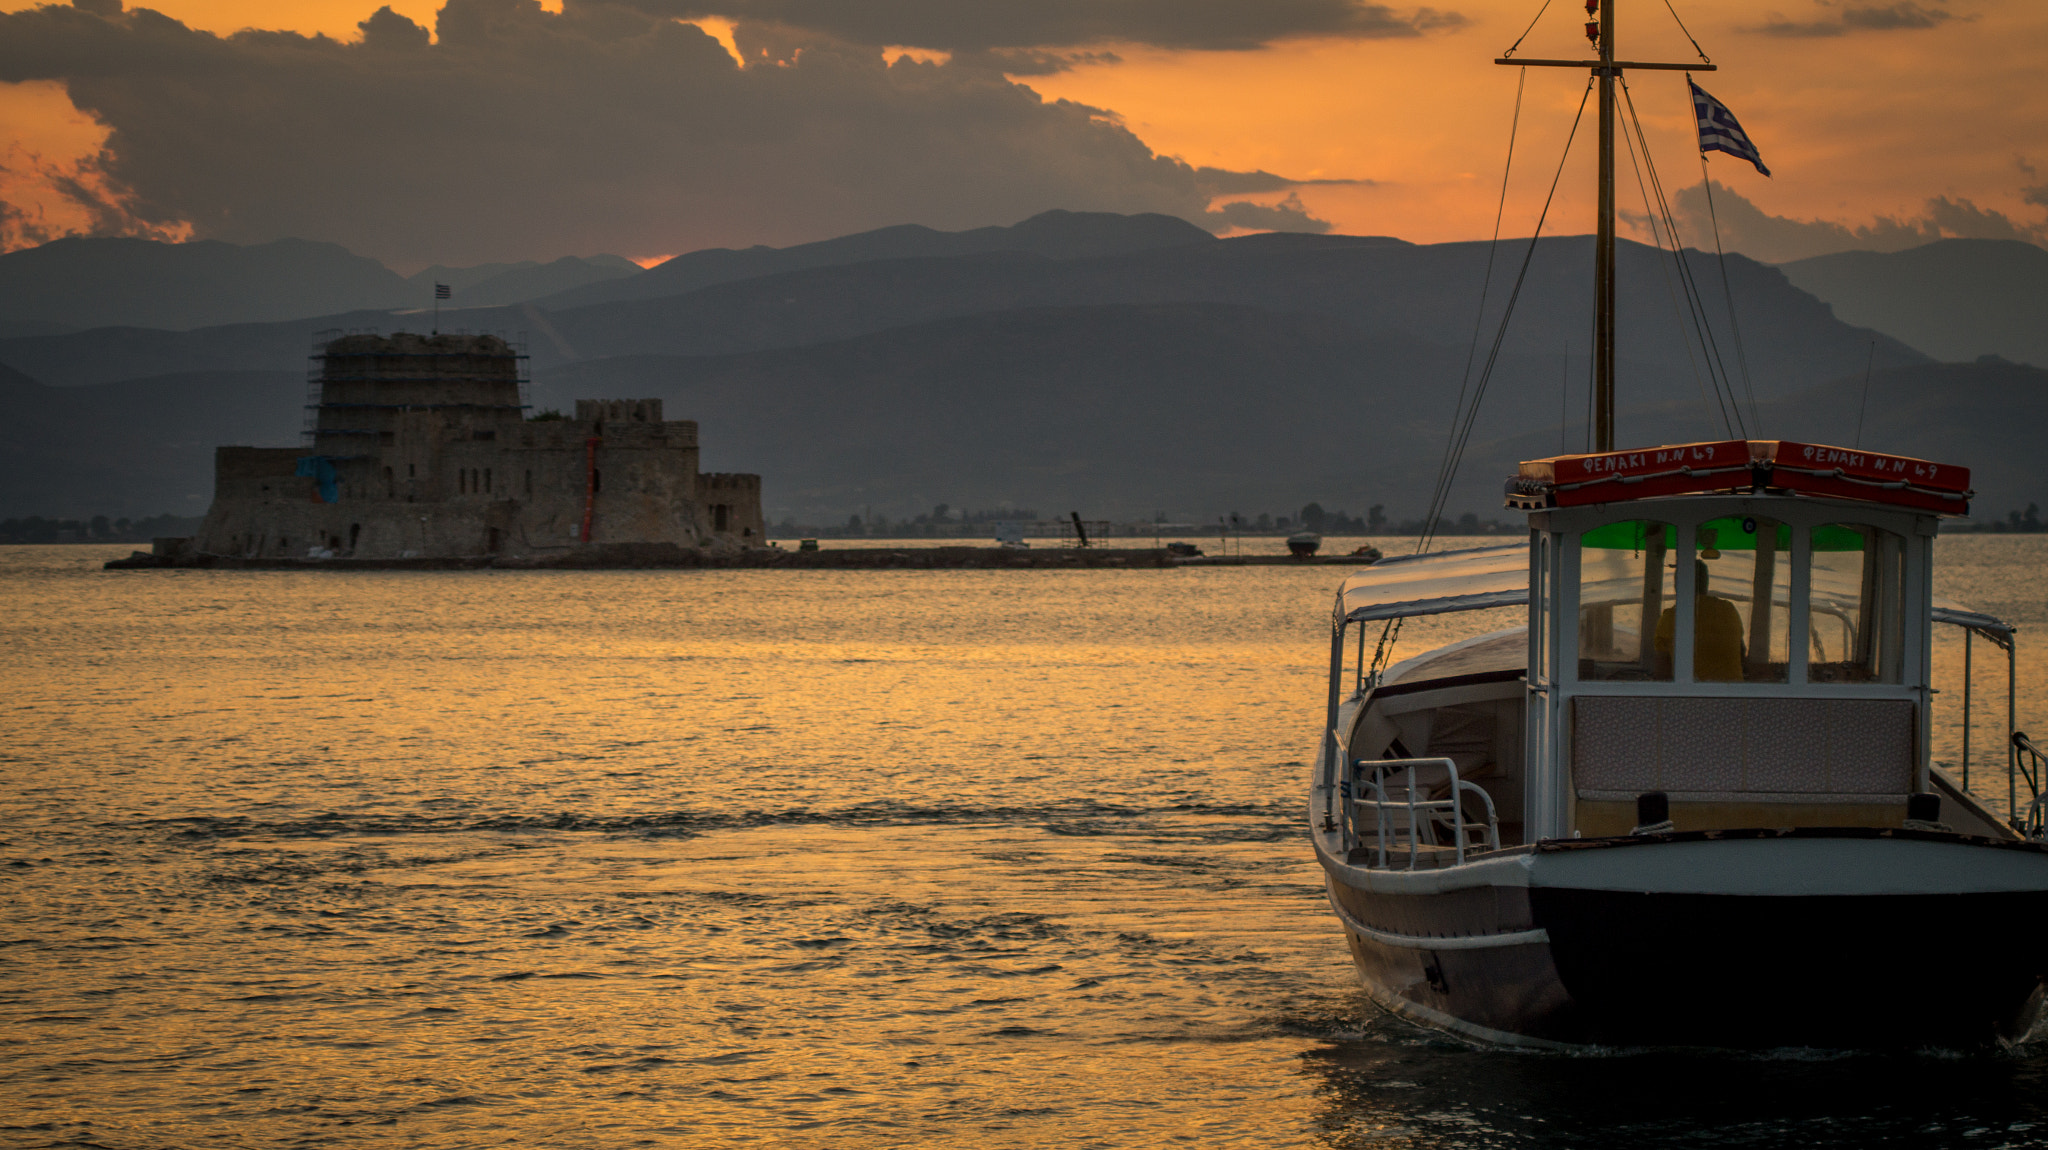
<point x="720" y="514"/>
<point x="484" y="435"/>
<point x="487" y="479"/>
<point x="529" y="481"/>
<point x="410" y="473"/>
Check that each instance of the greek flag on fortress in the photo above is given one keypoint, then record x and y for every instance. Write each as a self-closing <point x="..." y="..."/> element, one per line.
<point x="1718" y="130"/>
<point x="441" y="290"/>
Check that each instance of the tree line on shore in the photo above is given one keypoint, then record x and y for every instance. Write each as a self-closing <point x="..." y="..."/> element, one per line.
<point x="97" y="529"/>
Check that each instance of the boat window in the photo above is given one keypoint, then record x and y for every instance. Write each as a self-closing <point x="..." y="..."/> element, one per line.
<point x="1624" y="584"/>
<point x="1856" y="614"/>
<point x="1742" y="603"/>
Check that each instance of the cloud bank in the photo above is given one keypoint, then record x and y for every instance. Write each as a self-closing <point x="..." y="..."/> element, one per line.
<point x="994" y="25"/>
<point x="512" y="132"/>
<point x="1842" y="19"/>
<point x="1779" y="239"/>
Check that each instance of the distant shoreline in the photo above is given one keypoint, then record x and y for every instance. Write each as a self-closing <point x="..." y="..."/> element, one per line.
<point x="643" y="556"/>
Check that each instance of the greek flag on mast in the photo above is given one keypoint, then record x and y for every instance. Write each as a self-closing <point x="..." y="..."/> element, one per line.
<point x="1719" y="132"/>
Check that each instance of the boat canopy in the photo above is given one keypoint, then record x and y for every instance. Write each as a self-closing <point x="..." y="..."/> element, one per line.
<point x="1439" y="583"/>
<point x="1478" y="578"/>
<point x="1737" y="466"/>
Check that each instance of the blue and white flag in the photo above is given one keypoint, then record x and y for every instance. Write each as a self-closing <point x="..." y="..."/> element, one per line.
<point x="1718" y="130"/>
<point x="441" y="290"/>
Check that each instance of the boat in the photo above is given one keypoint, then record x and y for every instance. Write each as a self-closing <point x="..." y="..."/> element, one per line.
<point x="1690" y="800"/>
<point x="1303" y="544"/>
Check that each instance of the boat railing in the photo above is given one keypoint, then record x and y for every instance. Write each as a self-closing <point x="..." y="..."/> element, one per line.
<point x="1405" y="806"/>
<point x="2027" y="762"/>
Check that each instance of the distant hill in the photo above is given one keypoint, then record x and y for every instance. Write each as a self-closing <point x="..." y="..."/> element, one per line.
<point x="136" y="448"/>
<point x="114" y="354"/>
<point x="1114" y="410"/>
<point x="1378" y="285"/>
<point x="489" y="285"/>
<point x="85" y="283"/>
<point x="1058" y="235"/>
<point x="1978" y="415"/>
<point x="1956" y="300"/>
<point x="79" y="283"/>
<point x="1250" y="374"/>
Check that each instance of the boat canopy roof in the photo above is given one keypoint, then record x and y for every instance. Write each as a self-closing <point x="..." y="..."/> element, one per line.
<point x="1440" y="582"/>
<point x="1478" y="578"/>
<point x="1741" y="465"/>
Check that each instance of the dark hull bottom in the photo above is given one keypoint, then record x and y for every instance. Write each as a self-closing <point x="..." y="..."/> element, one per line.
<point x="1631" y="969"/>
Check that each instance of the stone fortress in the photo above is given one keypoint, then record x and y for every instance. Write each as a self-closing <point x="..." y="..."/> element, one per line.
<point x="419" y="447"/>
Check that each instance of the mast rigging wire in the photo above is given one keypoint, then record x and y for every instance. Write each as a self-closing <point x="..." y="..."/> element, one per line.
<point x="1463" y="417"/>
<point x="1718" y="405"/>
<point x="1464" y="420"/>
<point x="1486" y="281"/>
<point x="1704" y="58"/>
<point x="1728" y="294"/>
<point x="1868" y="363"/>
<point x="1695" y="299"/>
<point x="1532" y="28"/>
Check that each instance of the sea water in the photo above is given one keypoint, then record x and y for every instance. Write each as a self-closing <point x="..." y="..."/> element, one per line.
<point x="778" y="858"/>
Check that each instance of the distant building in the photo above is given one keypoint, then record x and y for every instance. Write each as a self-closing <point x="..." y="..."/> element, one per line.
<point x="420" y="447"/>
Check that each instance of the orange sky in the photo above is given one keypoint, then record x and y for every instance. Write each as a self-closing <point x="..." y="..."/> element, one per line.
<point x="1854" y="126"/>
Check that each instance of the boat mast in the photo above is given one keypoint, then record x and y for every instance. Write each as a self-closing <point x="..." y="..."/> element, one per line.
<point x="1603" y="255"/>
<point x="1608" y="71"/>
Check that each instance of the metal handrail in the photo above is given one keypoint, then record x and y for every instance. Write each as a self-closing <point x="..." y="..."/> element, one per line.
<point x="2004" y="640"/>
<point x="1368" y="776"/>
<point x="2027" y="763"/>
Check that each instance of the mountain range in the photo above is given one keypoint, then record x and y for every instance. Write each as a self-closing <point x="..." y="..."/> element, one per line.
<point x="1955" y="300"/>
<point x="1118" y="365"/>
<point x="78" y="283"/>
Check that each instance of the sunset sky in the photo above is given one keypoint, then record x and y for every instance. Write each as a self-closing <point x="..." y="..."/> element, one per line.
<point x="501" y="129"/>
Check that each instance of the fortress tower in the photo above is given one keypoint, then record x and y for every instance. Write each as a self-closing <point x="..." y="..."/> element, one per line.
<point x="419" y="446"/>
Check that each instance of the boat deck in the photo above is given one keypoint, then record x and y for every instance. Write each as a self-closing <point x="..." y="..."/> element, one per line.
<point x="1504" y="654"/>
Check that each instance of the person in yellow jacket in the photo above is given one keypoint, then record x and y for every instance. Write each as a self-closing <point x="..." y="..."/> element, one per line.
<point x="1717" y="647"/>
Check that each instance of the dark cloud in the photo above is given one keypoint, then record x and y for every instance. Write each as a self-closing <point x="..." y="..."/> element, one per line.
<point x="516" y="133"/>
<point x="1905" y="16"/>
<point x="985" y="25"/>
<point x="1778" y="239"/>
<point x="2031" y="193"/>
<point x="1222" y="182"/>
<point x="1030" y="61"/>
<point x="1289" y="215"/>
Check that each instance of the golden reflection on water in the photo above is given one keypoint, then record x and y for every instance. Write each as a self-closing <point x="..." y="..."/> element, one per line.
<point x="809" y="858"/>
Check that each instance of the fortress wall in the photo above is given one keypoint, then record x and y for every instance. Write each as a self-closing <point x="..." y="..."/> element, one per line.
<point x="732" y="504"/>
<point x="365" y="531"/>
<point x="459" y="473"/>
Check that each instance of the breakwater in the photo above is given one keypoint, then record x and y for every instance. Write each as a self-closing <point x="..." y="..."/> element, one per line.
<point x="642" y="556"/>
